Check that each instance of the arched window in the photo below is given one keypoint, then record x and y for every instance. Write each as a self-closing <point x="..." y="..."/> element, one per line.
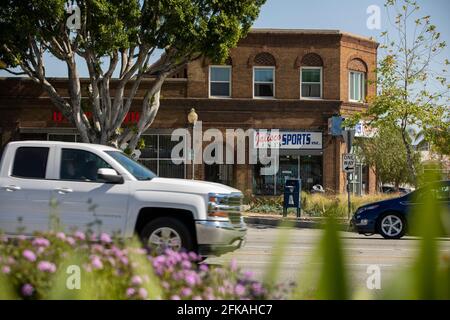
<point x="264" y="75"/>
<point x="357" y="77"/>
<point x="311" y="76"/>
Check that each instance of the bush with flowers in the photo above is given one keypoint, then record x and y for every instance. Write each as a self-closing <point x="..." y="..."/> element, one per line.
<point x="39" y="268"/>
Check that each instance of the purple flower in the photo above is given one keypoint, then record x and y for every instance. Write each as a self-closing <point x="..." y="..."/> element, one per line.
<point x="186" y="292"/>
<point x="204" y="267"/>
<point x="186" y="264"/>
<point x="29" y="255"/>
<point x="248" y="275"/>
<point x="257" y="288"/>
<point x="80" y="235"/>
<point x="143" y="293"/>
<point x="239" y="290"/>
<point x="41" y="242"/>
<point x="130" y="292"/>
<point x="6" y="269"/>
<point x="104" y="237"/>
<point x="175" y="297"/>
<point x="46" y="266"/>
<point x="190" y="279"/>
<point x="196" y="298"/>
<point x="96" y="262"/>
<point x="27" y="290"/>
<point x="136" y="280"/>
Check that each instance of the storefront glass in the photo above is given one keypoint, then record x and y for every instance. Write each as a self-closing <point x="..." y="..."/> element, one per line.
<point x="306" y="167"/>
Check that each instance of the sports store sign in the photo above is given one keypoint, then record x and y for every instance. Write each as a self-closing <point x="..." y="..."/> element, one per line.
<point x="287" y="140"/>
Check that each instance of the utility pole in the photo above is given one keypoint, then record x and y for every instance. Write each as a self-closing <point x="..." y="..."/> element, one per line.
<point x="348" y="164"/>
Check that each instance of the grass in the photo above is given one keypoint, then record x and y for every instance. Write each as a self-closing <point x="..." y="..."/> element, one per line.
<point x="315" y="205"/>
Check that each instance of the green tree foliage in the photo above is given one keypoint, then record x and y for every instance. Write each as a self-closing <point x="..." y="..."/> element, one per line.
<point x="386" y="153"/>
<point x="413" y="91"/>
<point x="117" y="39"/>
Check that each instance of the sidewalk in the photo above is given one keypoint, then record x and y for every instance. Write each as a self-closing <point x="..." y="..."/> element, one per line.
<point x="274" y="220"/>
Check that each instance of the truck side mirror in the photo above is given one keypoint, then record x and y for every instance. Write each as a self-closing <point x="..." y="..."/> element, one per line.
<point x="109" y="176"/>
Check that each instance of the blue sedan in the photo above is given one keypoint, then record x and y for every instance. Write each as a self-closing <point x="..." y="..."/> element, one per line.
<point x="390" y="218"/>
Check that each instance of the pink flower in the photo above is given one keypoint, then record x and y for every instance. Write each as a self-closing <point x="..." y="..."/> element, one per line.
<point x="70" y="241"/>
<point x="204" y="267"/>
<point x="96" y="262"/>
<point x="29" y="255"/>
<point x="190" y="279"/>
<point x="46" y="266"/>
<point x="136" y="280"/>
<point x="61" y="236"/>
<point x="130" y="292"/>
<point x="143" y="293"/>
<point x="41" y="242"/>
<point x="233" y="265"/>
<point x="27" y="290"/>
<point x="80" y="235"/>
<point x="104" y="237"/>
<point x="6" y="269"/>
<point x="175" y="297"/>
<point x="196" y="298"/>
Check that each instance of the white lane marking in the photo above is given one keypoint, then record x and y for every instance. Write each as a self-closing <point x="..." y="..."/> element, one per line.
<point x="312" y="247"/>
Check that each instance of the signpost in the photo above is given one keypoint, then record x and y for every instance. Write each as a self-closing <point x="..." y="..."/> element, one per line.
<point x="349" y="162"/>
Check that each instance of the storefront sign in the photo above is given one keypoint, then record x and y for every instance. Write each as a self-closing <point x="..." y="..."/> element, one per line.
<point x="131" y="117"/>
<point x="288" y="140"/>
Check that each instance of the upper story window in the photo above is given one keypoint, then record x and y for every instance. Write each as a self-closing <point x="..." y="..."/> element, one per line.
<point x="220" y="81"/>
<point x="357" y="80"/>
<point x="311" y="82"/>
<point x="264" y="82"/>
<point x="357" y="86"/>
<point x="264" y="75"/>
<point x="311" y="76"/>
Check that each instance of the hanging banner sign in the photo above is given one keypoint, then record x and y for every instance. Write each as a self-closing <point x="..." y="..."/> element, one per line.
<point x="288" y="140"/>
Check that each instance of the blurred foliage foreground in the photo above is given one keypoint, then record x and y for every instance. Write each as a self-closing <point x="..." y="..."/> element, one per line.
<point x="56" y="265"/>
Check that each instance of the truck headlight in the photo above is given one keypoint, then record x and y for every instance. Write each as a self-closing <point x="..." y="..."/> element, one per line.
<point x="224" y="206"/>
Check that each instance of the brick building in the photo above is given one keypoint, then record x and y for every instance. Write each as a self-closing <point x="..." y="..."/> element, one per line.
<point x="290" y="80"/>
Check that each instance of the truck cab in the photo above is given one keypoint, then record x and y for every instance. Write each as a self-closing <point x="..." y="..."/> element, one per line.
<point x="75" y="186"/>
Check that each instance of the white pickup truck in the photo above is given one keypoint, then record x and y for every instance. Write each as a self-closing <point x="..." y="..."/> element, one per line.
<point x="99" y="188"/>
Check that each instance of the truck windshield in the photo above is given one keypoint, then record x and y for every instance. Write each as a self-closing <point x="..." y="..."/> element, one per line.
<point x="136" y="169"/>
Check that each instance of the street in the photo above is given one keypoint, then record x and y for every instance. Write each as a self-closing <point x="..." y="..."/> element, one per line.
<point x="391" y="256"/>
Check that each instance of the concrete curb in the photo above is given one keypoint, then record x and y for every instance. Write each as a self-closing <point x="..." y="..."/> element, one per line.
<point x="301" y="224"/>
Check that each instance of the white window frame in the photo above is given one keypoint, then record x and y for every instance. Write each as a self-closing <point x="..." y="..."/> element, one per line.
<point x="263" y="82"/>
<point x="209" y="81"/>
<point x="362" y="87"/>
<point x="321" y="84"/>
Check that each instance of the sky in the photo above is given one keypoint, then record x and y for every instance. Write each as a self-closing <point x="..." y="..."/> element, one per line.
<point x="345" y="15"/>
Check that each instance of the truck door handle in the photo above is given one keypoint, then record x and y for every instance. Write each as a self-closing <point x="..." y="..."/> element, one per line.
<point x="63" y="190"/>
<point x="12" y="188"/>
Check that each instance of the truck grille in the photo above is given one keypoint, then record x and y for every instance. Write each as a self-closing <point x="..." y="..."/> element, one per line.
<point x="234" y="201"/>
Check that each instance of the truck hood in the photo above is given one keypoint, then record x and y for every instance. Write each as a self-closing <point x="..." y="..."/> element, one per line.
<point x="184" y="186"/>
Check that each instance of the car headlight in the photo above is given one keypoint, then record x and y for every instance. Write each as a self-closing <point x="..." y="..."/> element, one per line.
<point x="361" y="210"/>
<point x="224" y="206"/>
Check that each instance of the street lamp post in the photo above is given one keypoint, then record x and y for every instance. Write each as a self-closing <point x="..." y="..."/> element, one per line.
<point x="192" y="120"/>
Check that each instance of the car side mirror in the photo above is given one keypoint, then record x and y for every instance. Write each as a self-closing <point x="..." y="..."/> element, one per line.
<point x="109" y="176"/>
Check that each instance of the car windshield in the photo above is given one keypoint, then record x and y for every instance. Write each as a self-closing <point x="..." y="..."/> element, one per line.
<point x="136" y="169"/>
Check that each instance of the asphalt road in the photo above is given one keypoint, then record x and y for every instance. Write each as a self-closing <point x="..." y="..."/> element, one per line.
<point x="391" y="256"/>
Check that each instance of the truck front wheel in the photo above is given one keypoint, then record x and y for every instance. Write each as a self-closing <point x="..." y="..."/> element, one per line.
<point x="166" y="233"/>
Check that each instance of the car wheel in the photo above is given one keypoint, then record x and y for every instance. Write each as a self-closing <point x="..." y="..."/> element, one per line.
<point x="392" y="226"/>
<point x="166" y="233"/>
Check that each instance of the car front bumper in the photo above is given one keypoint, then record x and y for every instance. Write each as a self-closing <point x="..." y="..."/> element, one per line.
<point x="363" y="226"/>
<point x="215" y="238"/>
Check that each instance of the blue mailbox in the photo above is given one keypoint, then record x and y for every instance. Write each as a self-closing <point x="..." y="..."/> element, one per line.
<point x="292" y="190"/>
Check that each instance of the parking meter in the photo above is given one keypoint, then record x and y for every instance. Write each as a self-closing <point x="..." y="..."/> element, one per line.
<point x="292" y="189"/>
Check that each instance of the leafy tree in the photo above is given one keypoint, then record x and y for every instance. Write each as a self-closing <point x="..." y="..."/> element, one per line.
<point x="411" y="92"/>
<point x="117" y="39"/>
<point x="386" y="153"/>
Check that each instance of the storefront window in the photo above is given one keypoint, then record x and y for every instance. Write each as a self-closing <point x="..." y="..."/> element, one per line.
<point x="308" y="168"/>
